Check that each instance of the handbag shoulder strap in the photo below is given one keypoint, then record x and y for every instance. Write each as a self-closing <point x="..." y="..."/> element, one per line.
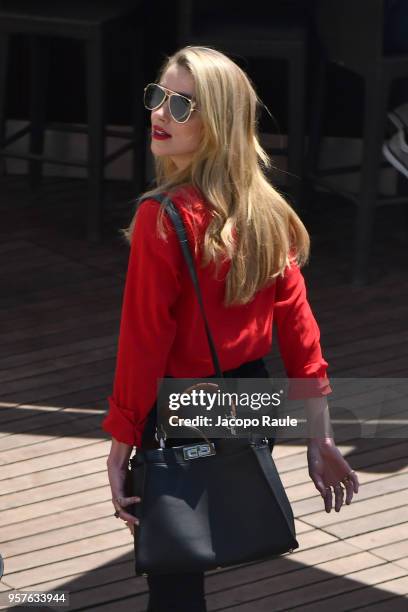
<point x="180" y="229"/>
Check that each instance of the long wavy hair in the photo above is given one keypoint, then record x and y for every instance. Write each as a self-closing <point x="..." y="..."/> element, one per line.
<point x="252" y="224"/>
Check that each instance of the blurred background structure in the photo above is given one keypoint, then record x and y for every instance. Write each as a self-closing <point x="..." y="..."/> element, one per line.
<point x="72" y="75"/>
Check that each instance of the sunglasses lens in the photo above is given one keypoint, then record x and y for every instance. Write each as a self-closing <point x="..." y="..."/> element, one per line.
<point x="179" y="108"/>
<point x="153" y="97"/>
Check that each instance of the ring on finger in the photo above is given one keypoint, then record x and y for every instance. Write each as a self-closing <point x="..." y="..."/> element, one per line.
<point x="348" y="476"/>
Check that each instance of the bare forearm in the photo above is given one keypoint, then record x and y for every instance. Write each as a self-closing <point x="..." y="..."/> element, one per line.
<point x="318" y="418"/>
<point x="117" y="464"/>
<point x="119" y="453"/>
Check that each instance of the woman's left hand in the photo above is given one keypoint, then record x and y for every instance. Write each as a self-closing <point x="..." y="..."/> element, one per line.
<point x="328" y="468"/>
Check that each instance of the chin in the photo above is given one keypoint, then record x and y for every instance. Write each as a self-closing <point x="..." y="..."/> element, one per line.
<point x="158" y="149"/>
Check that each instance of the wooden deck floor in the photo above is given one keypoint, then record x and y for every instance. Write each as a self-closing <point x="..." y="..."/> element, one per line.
<point x="60" y="306"/>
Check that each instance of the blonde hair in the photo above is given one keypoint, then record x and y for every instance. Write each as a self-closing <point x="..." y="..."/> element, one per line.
<point x="228" y="170"/>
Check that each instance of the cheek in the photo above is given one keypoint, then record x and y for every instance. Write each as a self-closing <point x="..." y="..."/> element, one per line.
<point x="193" y="133"/>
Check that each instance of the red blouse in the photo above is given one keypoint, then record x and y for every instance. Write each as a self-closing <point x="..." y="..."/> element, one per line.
<point x="162" y="332"/>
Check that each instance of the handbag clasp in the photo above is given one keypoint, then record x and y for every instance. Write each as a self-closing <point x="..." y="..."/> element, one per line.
<point x="198" y="450"/>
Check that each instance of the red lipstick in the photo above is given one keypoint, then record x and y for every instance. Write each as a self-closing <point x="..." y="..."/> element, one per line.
<point x="159" y="134"/>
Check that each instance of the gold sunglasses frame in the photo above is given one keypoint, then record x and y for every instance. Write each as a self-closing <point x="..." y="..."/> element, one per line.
<point x="168" y="93"/>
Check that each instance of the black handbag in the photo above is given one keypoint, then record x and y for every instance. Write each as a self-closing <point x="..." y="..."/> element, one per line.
<point x="210" y="504"/>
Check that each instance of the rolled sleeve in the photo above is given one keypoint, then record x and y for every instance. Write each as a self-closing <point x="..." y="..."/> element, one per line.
<point x="299" y="337"/>
<point x="122" y="424"/>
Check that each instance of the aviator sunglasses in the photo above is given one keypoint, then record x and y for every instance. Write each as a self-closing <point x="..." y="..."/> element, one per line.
<point x="180" y="106"/>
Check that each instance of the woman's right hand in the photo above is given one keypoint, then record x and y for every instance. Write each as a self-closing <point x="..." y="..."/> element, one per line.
<point x="117" y="464"/>
<point x="120" y="503"/>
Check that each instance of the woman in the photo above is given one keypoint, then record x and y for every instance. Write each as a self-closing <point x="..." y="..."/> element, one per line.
<point x="248" y="245"/>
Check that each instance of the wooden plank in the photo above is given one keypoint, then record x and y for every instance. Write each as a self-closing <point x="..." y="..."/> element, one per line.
<point x="382" y="486"/>
<point x="311" y="539"/>
<point x="105" y="256"/>
<point x="285" y="571"/>
<point x="330" y="322"/>
<point x="50" y="301"/>
<point x="72" y="565"/>
<point x="402" y="562"/>
<point x="59" y="339"/>
<point x="30" y="252"/>
<point x="378" y="520"/>
<point x="288" y="449"/>
<point x="300" y="527"/>
<point x="53" y="555"/>
<point x="57" y="275"/>
<point x="52" y="393"/>
<point x="394" y="551"/>
<point x="136" y="604"/>
<point x="361" y="509"/>
<point x="36" y="417"/>
<point x="128" y="590"/>
<point x="110" y="574"/>
<point x="94" y="449"/>
<point x="288" y="598"/>
<point x="33" y="442"/>
<point x="396" y="604"/>
<point x="360" y="456"/>
<point x="73" y="287"/>
<point x="84" y="437"/>
<point x="70" y="348"/>
<point x="362" y="345"/>
<point x="302" y="491"/>
<point x="373" y="459"/>
<point x="60" y="325"/>
<point x="37" y="263"/>
<point x="19" y="553"/>
<point x="377" y="368"/>
<point x="28" y="318"/>
<point x="353" y="360"/>
<point x="381" y="537"/>
<point x="43" y="509"/>
<point x="15" y="542"/>
<point x="340" y="294"/>
<point x="91" y="397"/>
<point x="367" y="445"/>
<point x="332" y="338"/>
<point x="58" y="364"/>
<point x="58" y="489"/>
<point x="34" y="480"/>
<point x="326" y="552"/>
<point x="381" y="595"/>
<point x="83" y="394"/>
